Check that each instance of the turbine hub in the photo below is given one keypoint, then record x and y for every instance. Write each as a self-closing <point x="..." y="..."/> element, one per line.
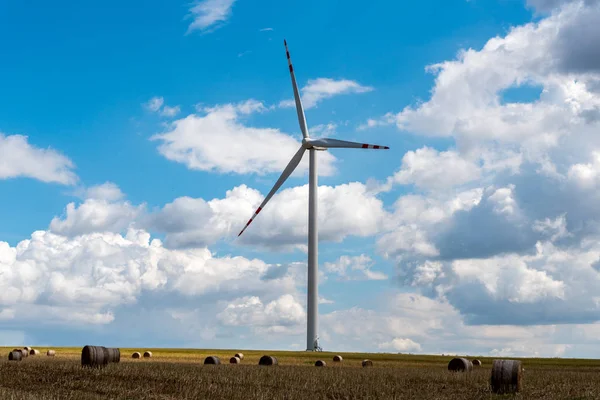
<point x="306" y="143"/>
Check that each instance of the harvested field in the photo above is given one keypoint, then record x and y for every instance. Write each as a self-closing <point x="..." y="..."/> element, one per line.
<point x="180" y="374"/>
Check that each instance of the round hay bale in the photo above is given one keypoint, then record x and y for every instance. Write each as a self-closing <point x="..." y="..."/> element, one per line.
<point x="476" y="363"/>
<point x="320" y="363"/>
<point x="114" y="355"/>
<point x="234" y="360"/>
<point x="147" y="354"/>
<point x="337" y="358"/>
<point x="94" y="356"/>
<point x="267" y="360"/>
<point x="367" y="363"/>
<point x="51" y="353"/>
<point x="239" y="355"/>
<point x="506" y="376"/>
<point x="34" y="352"/>
<point x="15" y="355"/>
<point x="24" y="351"/>
<point x="27" y="348"/>
<point x="460" y="365"/>
<point x="136" y="355"/>
<point x="213" y="360"/>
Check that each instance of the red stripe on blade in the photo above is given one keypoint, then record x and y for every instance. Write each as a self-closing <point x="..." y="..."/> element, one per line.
<point x="365" y="146"/>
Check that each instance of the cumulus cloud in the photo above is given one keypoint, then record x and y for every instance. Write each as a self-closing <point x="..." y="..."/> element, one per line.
<point x="284" y="314"/>
<point x="401" y="345"/>
<point x="107" y="191"/>
<point x="83" y="279"/>
<point x="510" y="204"/>
<point x="320" y="89"/>
<point x="354" y="268"/>
<point x="219" y="142"/>
<point x="102" y="211"/>
<point x="467" y="102"/>
<point x="427" y="168"/>
<point x="209" y="15"/>
<point x="21" y="159"/>
<point x="344" y="210"/>
<point x="410" y="322"/>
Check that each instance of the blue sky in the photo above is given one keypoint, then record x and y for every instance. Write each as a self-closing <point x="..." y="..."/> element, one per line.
<point x="137" y="140"/>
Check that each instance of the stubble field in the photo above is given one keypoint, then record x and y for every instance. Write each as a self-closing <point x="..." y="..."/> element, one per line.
<point x="180" y="374"/>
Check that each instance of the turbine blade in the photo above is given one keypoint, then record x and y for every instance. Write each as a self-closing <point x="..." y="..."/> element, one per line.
<point x="334" y="143"/>
<point x="284" y="175"/>
<point x="299" y="108"/>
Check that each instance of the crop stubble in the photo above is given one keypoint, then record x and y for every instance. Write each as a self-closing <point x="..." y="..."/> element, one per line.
<point x="181" y="375"/>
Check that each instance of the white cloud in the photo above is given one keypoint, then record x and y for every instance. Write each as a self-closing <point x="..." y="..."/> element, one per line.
<point x="220" y="142"/>
<point x="429" y="169"/>
<point x="320" y="89"/>
<point x="156" y="103"/>
<point x="170" y="111"/>
<point x="324" y="130"/>
<point x="284" y="314"/>
<point x="354" y="268"/>
<point x="102" y="211"/>
<point x="467" y="100"/>
<point x="401" y="345"/>
<point x="84" y="279"/>
<point x="210" y="14"/>
<point x="18" y="158"/>
<point x="518" y="247"/>
<point x="108" y="191"/>
<point x="323" y="300"/>
<point x="509" y="277"/>
<point x="344" y="210"/>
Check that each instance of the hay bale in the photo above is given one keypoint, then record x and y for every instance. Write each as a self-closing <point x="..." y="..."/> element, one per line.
<point x="24" y="351"/>
<point x="267" y="360"/>
<point x="506" y="376"/>
<point x="27" y="348"/>
<point x="234" y="360"/>
<point x="15" y="355"/>
<point x="147" y="354"/>
<point x="367" y="363"/>
<point x="213" y="360"/>
<point x="114" y="355"/>
<point x="94" y="356"/>
<point x="320" y="363"/>
<point x="239" y="355"/>
<point x="460" y="365"/>
<point x="34" y="352"/>
<point x="337" y="358"/>
<point x="51" y="353"/>
<point x="476" y="363"/>
<point x="136" y="355"/>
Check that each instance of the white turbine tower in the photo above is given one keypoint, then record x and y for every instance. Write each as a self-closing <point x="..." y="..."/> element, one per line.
<point x="312" y="145"/>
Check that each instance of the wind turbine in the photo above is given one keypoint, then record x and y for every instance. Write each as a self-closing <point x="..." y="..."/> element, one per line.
<point x="312" y="145"/>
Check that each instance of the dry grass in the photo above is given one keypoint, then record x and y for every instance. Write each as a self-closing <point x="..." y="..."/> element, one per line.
<point x="180" y="374"/>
